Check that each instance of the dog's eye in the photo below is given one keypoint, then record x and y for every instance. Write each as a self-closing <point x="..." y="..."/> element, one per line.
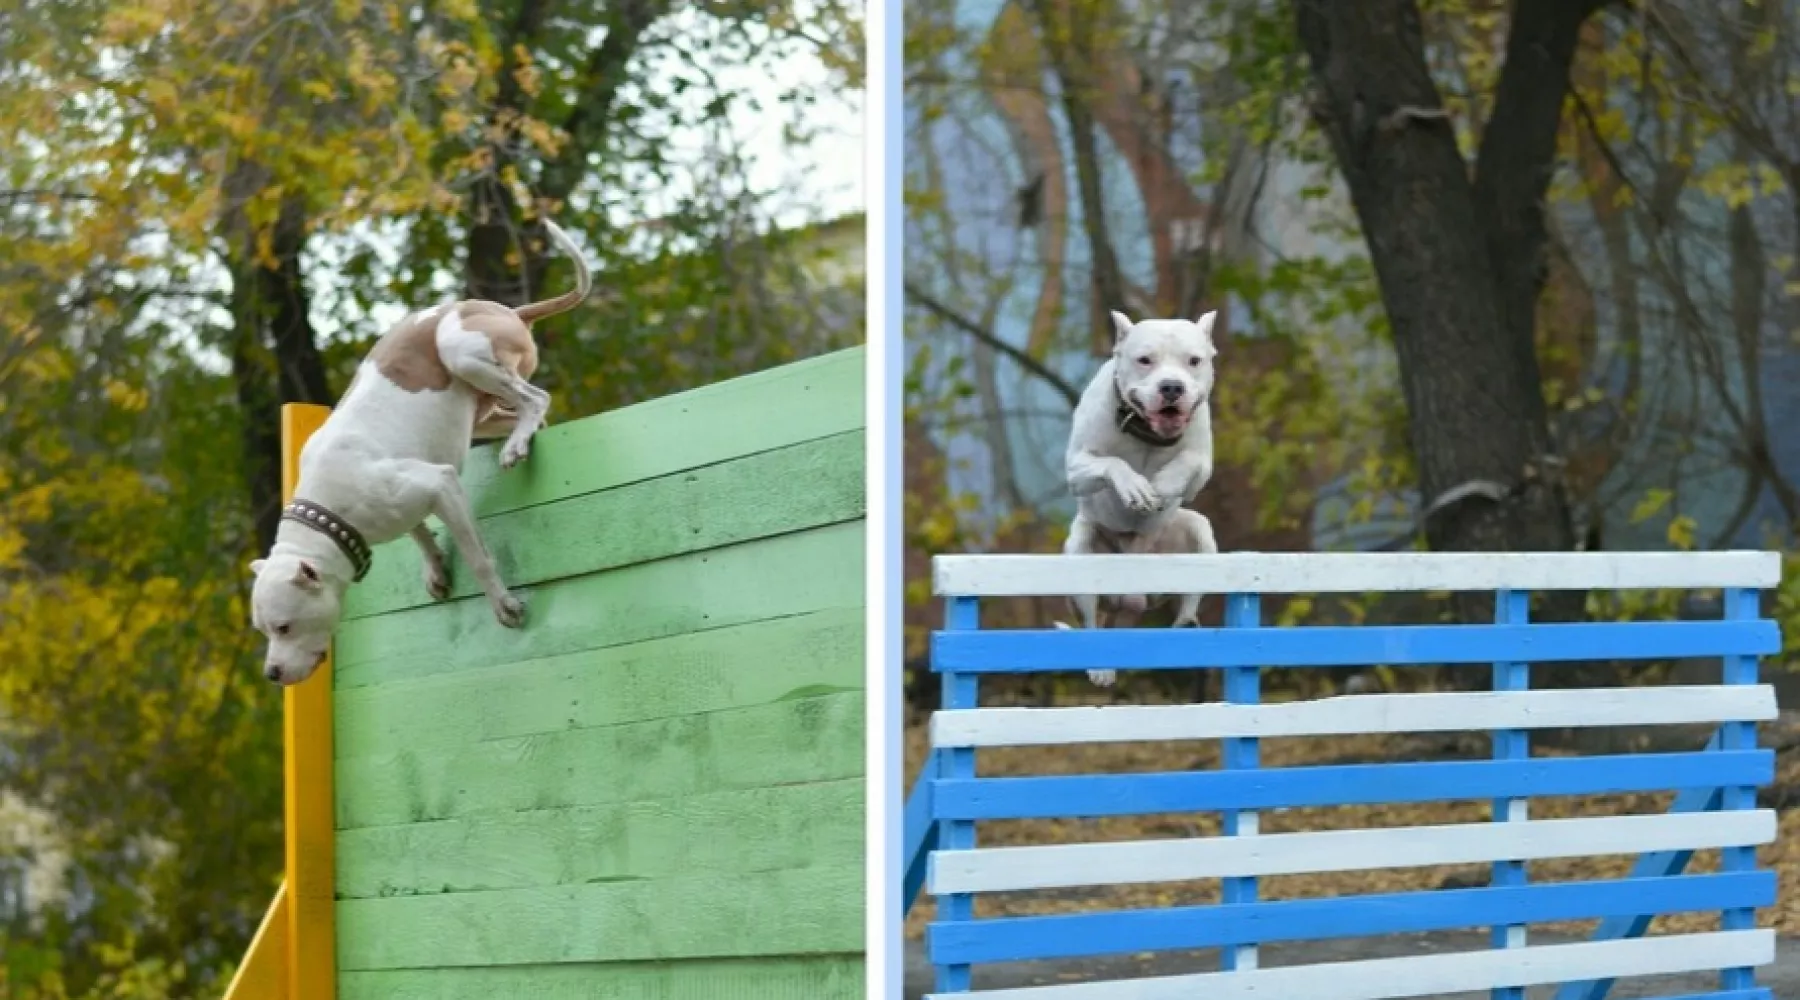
<point x="1144" y="360"/>
<point x="281" y="629"/>
<point x="1194" y="362"/>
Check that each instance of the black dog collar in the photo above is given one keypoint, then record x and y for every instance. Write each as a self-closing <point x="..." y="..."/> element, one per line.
<point x="335" y="528"/>
<point x="1133" y="423"/>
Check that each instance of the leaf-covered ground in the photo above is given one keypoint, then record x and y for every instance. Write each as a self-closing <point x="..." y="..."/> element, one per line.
<point x="1783" y="855"/>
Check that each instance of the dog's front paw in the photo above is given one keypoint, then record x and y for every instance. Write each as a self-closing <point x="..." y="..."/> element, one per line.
<point x="1103" y="678"/>
<point x="510" y="611"/>
<point x="437" y="581"/>
<point x="1138" y="494"/>
<point x="1186" y="622"/>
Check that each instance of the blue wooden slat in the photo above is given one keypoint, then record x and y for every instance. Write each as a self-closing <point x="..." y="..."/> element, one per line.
<point x="1044" y="650"/>
<point x="1226" y="925"/>
<point x="960" y="691"/>
<point x="1243" y="685"/>
<point x="919" y="833"/>
<point x="1510" y="608"/>
<point x="1051" y="797"/>
<point x="1740" y="605"/>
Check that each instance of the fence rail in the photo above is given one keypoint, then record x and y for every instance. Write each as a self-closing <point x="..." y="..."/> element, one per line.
<point x="1715" y="809"/>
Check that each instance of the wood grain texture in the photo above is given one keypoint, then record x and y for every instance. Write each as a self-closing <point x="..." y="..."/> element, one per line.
<point x="654" y="789"/>
<point x="807" y="978"/>
<point x="801" y="486"/>
<point x="806" y="911"/>
<point x="807" y="739"/>
<point x="720" y="834"/>
<point x="767" y="578"/>
<point x="770" y="409"/>
<point x="733" y="667"/>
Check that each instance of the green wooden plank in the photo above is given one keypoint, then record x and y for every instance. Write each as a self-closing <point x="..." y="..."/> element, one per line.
<point x="722" y="834"/>
<point x="807" y="485"/>
<point x="828" y="977"/>
<point x="768" y="578"/>
<point x="810" y="399"/>
<point x="803" y="740"/>
<point x="721" y="668"/>
<point x="795" y="912"/>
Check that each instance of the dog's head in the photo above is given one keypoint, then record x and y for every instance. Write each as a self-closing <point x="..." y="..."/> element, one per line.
<point x="296" y="608"/>
<point x="1164" y="368"/>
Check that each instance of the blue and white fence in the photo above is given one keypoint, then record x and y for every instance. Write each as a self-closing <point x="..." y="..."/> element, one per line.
<point x="1715" y="807"/>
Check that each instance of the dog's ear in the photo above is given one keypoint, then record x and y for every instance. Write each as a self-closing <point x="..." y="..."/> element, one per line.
<point x="256" y="566"/>
<point x="1121" y="327"/>
<point x="1205" y="323"/>
<point x="307" y="575"/>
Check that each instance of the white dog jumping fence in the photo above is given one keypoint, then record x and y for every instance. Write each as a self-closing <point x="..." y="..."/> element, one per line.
<point x="1714" y="808"/>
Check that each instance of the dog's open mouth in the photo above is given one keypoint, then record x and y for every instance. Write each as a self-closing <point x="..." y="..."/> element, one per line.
<point x="1168" y="420"/>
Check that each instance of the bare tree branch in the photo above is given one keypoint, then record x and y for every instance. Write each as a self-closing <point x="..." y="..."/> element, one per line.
<point x="930" y="303"/>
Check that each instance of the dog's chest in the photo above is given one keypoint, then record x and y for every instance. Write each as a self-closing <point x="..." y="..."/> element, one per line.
<point x="431" y="425"/>
<point x="1147" y="459"/>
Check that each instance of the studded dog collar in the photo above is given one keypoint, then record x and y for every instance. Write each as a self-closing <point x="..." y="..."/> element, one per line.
<point x="1130" y="421"/>
<point x="335" y="528"/>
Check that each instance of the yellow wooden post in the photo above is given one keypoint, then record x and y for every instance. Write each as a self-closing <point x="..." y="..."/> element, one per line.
<point x="311" y="833"/>
<point x="294" y="953"/>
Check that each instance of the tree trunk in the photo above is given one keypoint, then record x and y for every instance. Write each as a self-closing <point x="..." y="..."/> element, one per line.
<point x="1460" y="261"/>
<point x="1069" y="45"/>
<point x="275" y="356"/>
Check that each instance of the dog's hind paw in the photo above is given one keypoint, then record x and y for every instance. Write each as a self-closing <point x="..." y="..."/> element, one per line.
<point x="510" y="611"/>
<point x="437" y="583"/>
<point x="515" y="451"/>
<point x="1103" y="678"/>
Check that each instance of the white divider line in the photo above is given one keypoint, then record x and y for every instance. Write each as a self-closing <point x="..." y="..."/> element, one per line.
<point x="1346" y="572"/>
<point x="1371" y="713"/>
<point x="1428" y="975"/>
<point x="1008" y="869"/>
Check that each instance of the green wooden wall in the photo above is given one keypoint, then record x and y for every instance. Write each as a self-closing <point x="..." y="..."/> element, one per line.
<point x="654" y="789"/>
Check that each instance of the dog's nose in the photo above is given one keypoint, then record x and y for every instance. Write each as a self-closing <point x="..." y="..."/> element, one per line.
<point x="1170" y="390"/>
<point x="272" y="673"/>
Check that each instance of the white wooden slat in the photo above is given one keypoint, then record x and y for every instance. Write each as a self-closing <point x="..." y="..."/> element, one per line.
<point x="1432" y="712"/>
<point x="1057" y="866"/>
<point x="1427" y="975"/>
<point x="1344" y="572"/>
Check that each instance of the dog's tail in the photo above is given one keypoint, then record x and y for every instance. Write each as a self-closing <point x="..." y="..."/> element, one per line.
<point x="570" y="299"/>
